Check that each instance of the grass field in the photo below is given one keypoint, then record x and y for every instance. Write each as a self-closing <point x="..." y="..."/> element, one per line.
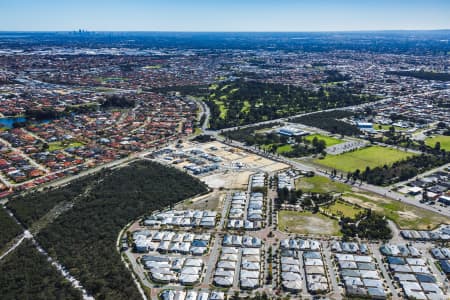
<point x="329" y="141"/>
<point x="153" y="67"/>
<point x="374" y="156"/>
<point x="284" y="149"/>
<point x="307" y="223"/>
<point x="222" y="108"/>
<point x="59" y="145"/>
<point x="443" y="139"/>
<point x="320" y="184"/>
<point x="213" y="86"/>
<point x="280" y="149"/>
<point x="246" y="108"/>
<point x="404" y="215"/>
<point x="339" y="208"/>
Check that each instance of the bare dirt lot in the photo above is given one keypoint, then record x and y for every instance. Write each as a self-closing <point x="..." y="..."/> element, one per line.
<point x="211" y="201"/>
<point x="235" y="180"/>
<point x="404" y="215"/>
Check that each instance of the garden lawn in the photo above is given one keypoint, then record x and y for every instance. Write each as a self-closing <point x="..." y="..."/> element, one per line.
<point x="329" y="141"/>
<point x="443" y="139"/>
<point x="374" y="156"/>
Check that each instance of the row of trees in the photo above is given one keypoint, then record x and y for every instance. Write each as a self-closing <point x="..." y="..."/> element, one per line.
<point x="330" y="121"/>
<point x="422" y="75"/>
<point x="400" y="170"/>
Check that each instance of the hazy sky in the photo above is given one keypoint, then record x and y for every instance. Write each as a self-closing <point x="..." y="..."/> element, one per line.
<point x="224" y="15"/>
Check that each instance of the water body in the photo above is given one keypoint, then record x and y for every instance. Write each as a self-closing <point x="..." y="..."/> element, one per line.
<point x="9" y="121"/>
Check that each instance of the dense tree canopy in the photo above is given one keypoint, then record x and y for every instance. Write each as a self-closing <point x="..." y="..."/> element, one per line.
<point x="244" y="102"/>
<point x="330" y="121"/>
<point x="8" y="228"/>
<point x="26" y="274"/>
<point x="31" y="207"/>
<point x="83" y="238"/>
<point x="401" y="170"/>
<point x="370" y="226"/>
<point x="422" y="75"/>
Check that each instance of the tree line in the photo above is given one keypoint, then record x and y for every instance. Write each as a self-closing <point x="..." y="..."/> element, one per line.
<point x="401" y="170"/>
<point x="422" y="75"/>
<point x="330" y="121"/>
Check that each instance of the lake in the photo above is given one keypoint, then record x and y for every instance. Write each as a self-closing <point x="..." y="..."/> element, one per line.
<point x="8" y="122"/>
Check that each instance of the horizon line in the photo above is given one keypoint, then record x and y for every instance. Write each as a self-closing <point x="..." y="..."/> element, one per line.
<point x="221" y="31"/>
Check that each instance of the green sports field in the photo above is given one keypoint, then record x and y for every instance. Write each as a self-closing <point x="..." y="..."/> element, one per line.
<point x="443" y="139"/>
<point x="329" y="141"/>
<point x="374" y="156"/>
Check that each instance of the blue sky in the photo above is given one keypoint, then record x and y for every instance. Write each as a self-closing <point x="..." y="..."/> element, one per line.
<point x="223" y="15"/>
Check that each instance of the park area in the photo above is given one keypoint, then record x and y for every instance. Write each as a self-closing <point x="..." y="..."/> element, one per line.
<point x="404" y="215"/>
<point x="444" y="140"/>
<point x="63" y="145"/>
<point x="307" y="223"/>
<point x="320" y="184"/>
<point x="373" y="156"/>
<point x="329" y="141"/>
<point x="342" y="209"/>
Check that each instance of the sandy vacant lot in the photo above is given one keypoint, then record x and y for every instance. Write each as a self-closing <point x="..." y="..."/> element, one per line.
<point x="404" y="215"/>
<point x="211" y="201"/>
<point x="234" y="180"/>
